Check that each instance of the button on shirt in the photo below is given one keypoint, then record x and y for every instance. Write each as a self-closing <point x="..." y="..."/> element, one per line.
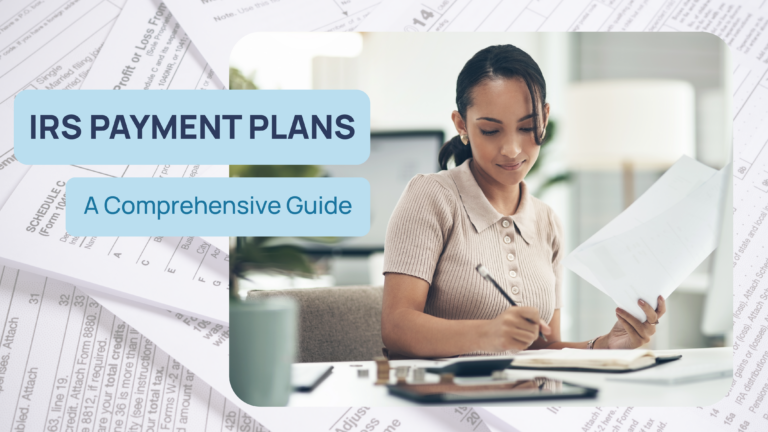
<point x="444" y="226"/>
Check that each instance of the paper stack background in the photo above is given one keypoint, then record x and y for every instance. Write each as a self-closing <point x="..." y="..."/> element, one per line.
<point x="98" y="343"/>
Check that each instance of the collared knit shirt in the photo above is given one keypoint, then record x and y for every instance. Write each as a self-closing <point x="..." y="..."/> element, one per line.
<point x="444" y="226"/>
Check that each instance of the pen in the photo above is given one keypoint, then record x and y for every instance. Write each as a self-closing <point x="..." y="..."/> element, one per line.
<point x="487" y="276"/>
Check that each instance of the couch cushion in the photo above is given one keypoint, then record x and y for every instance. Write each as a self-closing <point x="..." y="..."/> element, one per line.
<point x="336" y="324"/>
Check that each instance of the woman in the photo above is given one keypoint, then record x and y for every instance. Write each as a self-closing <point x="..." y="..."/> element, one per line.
<point x="481" y="212"/>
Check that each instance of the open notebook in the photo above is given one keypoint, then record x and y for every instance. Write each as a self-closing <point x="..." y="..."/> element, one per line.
<point x="589" y="360"/>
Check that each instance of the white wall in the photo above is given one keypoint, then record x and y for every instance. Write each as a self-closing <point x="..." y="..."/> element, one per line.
<point x="411" y="77"/>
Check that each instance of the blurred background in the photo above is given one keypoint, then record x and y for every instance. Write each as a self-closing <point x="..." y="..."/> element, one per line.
<point x="624" y="107"/>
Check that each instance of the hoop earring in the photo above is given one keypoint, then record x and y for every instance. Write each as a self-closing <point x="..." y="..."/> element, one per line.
<point x="464" y="139"/>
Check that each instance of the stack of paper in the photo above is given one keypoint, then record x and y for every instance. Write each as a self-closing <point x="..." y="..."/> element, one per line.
<point x="55" y="335"/>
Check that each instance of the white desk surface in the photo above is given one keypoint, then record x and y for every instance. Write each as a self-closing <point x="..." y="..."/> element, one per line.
<point x="344" y="388"/>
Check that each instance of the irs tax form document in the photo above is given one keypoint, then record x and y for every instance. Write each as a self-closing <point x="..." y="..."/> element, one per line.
<point x="729" y="18"/>
<point x="149" y="50"/>
<point x="216" y="26"/>
<point x="46" y="45"/>
<point x="182" y="273"/>
<point x="593" y="419"/>
<point x="68" y="363"/>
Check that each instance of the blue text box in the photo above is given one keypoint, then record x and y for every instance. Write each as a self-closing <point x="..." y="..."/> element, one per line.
<point x="288" y="127"/>
<point x="307" y="207"/>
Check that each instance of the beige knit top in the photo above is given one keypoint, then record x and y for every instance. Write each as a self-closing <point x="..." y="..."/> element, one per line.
<point x="444" y="226"/>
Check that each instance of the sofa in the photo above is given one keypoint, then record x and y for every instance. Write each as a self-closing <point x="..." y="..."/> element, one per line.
<point x="336" y="324"/>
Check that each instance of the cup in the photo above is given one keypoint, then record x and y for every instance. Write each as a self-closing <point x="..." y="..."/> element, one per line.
<point x="263" y="338"/>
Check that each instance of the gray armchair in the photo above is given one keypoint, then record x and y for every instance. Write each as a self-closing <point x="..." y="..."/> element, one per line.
<point x="336" y="324"/>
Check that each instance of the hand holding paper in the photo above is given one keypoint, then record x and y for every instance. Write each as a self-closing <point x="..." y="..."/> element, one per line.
<point x="658" y="241"/>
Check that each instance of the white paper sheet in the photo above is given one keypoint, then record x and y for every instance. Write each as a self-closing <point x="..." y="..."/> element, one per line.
<point x="678" y="181"/>
<point x="182" y="273"/>
<point x="68" y="363"/>
<point x="218" y="171"/>
<point x="48" y="44"/>
<point x="470" y="15"/>
<point x="216" y="26"/>
<point x="148" y="50"/>
<point x="719" y="17"/>
<point x="603" y="419"/>
<point x="649" y="249"/>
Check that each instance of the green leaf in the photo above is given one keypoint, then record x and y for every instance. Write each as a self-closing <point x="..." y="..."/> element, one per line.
<point x="238" y="81"/>
<point x="274" y="171"/>
<point x="560" y="178"/>
<point x="281" y="258"/>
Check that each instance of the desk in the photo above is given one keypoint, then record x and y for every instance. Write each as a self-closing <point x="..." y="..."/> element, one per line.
<point x="344" y="388"/>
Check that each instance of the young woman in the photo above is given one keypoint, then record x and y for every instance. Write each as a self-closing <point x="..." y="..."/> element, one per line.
<point x="481" y="212"/>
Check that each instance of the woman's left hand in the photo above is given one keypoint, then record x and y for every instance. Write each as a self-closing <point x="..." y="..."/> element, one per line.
<point x="629" y="332"/>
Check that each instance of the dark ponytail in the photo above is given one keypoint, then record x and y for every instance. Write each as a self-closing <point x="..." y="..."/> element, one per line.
<point x="454" y="148"/>
<point x="498" y="61"/>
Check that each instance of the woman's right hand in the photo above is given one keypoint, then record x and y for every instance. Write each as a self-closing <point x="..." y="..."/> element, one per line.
<point x="514" y="329"/>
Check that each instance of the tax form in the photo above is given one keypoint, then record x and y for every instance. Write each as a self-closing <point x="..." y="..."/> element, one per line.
<point x="596" y="419"/>
<point x="216" y="26"/>
<point x="149" y="50"/>
<point x="53" y="44"/>
<point x="45" y="44"/>
<point x="183" y="273"/>
<point x="68" y="363"/>
<point x="468" y="15"/>
<point x="727" y="18"/>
